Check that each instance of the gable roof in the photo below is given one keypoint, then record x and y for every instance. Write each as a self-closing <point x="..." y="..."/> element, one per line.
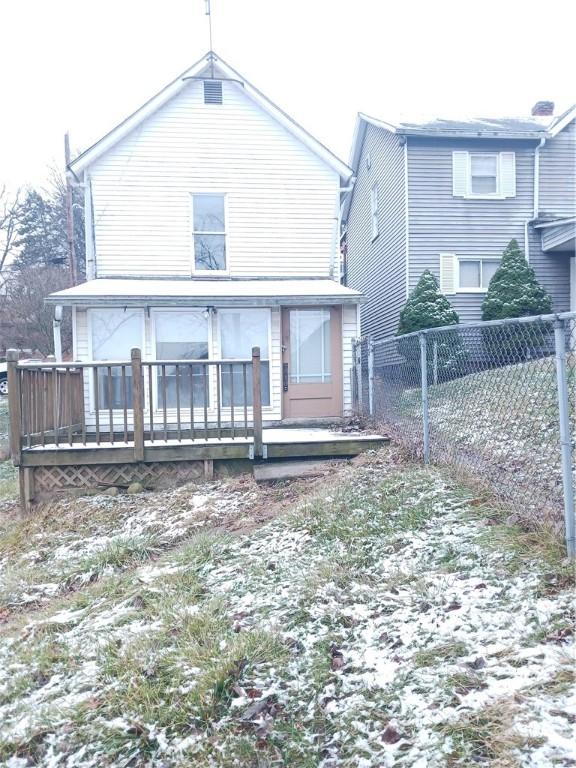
<point x="477" y="128"/>
<point x="208" y="63"/>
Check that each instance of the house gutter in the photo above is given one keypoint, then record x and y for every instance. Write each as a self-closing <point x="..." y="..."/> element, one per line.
<point x="334" y="250"/>
<point x="535" y="197"/>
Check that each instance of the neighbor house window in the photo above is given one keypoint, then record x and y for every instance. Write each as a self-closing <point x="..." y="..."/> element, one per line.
<point x="475" y="274"/>
<point x="114" y="332"/>
<point x="374" y="210"/>
<point x="181" y="335"/>
<point x="240" y="330"/>
<point x="484" y="174"/>
<point x="209" y="233"/>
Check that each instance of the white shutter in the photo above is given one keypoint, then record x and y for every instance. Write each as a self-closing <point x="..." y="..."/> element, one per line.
<point x="508" y="174"/>
<point x="448" y="267"/>
<point x="460" y="174"/>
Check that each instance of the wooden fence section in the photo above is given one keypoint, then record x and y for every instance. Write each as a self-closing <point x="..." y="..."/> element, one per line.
<point x="133" y="402"/>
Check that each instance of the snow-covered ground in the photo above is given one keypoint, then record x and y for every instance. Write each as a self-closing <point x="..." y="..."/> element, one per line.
<point x="379" y="620"/>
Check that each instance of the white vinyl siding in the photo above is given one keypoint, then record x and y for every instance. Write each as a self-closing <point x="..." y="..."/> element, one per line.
<point x="280" y="196"/>
<point x="484" y="175"/>
<point x="350" y="331"/>
<point x="374" y="210"/>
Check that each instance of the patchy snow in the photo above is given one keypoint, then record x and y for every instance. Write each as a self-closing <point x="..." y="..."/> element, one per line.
<point x="397" y="623"/>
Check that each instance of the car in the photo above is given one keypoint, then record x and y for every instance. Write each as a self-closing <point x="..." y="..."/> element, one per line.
<point x="3" y="379"/>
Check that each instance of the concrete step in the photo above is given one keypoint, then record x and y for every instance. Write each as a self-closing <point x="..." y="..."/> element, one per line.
<point x="272" y="471"/>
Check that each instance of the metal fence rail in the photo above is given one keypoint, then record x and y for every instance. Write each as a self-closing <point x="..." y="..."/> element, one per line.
<point x="496" y="400"/>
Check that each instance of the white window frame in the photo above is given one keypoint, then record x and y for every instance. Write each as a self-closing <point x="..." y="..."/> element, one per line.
<point x="91" y="373"/>
<point x="218" y="337"/>
<point x="480" y="259"/>
<point x="209" y="272"/>
<point x="485" y="195"/>
<point x="211" y="387"/>
<point x="374" y="210"/>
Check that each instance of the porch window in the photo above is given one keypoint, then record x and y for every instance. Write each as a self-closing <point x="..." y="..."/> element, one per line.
<point x="475" y="274"/>
<point x="484" y="174"/>
<point x="209" y="233"/>
<point x="240" y="330"/>
<point x="310" y="354"/>
<point x="181" y="335"/>
<point x="114" y="332"/>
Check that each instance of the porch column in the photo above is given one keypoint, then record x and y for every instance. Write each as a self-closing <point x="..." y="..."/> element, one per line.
<point x="56" y="323"/>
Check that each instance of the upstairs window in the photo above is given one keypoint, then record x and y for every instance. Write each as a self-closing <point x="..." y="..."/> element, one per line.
<point x="212" y="92"/>
<point x="484" y="174"/>
<point x="209" y="233"/>
<point x="374" y="210"/>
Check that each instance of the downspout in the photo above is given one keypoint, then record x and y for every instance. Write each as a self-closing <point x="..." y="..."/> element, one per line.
<point x="536" y="198"/>
<point x="335" y="249"/>
<point x="56" y="328"/>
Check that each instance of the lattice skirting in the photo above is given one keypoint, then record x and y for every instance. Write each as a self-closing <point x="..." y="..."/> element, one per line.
<point x="160" y="475"/>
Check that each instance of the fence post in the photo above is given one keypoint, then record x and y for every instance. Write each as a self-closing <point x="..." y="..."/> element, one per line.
<point x="14" y="406"/>
<point x="435" y="360"/>
<point x="371" y="375"/>
<point x="137" y="403"/>
<point x="359" y="376"/>
<point x="565" y="436"/>
<point x="257" y="402"/>
<point x="424" y="386"/>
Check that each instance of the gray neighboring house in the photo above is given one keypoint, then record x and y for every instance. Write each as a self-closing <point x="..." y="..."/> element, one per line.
<point x="449" y="196"/>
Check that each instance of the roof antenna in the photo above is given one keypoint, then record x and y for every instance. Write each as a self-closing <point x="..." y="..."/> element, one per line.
<point x="210" y="55"/>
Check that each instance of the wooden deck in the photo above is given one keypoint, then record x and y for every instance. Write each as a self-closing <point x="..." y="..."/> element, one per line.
<point x="276" y="443"/>
<point x="81" y="424"/>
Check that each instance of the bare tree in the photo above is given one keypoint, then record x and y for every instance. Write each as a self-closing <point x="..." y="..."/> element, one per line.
<point x="25" y="320"/>
<point x="9" y="208"/>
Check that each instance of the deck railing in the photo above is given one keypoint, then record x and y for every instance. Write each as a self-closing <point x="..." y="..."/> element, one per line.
<point x="76" y="404"/>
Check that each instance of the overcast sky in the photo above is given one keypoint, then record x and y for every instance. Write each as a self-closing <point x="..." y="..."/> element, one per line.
<point x="83" y="65"/>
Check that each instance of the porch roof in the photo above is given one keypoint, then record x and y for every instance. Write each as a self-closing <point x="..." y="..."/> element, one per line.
<point x="558" y="235"/>
<point x="202" y="292"/>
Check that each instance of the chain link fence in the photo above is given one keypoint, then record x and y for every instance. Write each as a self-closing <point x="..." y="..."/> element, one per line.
<point x="496" y="400"/>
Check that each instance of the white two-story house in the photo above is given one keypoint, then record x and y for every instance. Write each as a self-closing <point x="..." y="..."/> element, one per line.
<point x="212" y="227"/>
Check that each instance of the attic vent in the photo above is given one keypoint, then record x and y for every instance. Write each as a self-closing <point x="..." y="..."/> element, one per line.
<point x="212" y="92"/>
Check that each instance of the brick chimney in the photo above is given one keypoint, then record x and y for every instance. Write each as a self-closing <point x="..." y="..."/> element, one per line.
<point x="543" y="109"/>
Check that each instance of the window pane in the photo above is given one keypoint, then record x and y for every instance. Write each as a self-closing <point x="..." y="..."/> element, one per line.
<point x="484" y="185"/>
<point x="484" y="165"/>
<point x="310" y="360"/>
<point x="181" y="336"/>
<point x="240" y="330"/>
<point x="488" y="270"/>
<point x="114" y="333"/>
<point x="236" y="377"/>
<point x="484" y="171"/>
<point x="210" y="251"/>
<point x="469" y="274"/>
<point x="208" y="213"/>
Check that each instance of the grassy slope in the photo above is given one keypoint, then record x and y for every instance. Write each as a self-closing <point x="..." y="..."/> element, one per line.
<point x="378" y="623"/>
<point x="503" y="424"/>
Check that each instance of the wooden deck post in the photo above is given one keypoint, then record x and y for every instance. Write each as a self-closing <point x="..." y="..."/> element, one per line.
<point x="257" y="402"/>
<point x="138" y="403"/>
<point x="14" y="406"/>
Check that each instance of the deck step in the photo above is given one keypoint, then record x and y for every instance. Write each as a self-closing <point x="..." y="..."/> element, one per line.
<point x="271" y="471"/>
